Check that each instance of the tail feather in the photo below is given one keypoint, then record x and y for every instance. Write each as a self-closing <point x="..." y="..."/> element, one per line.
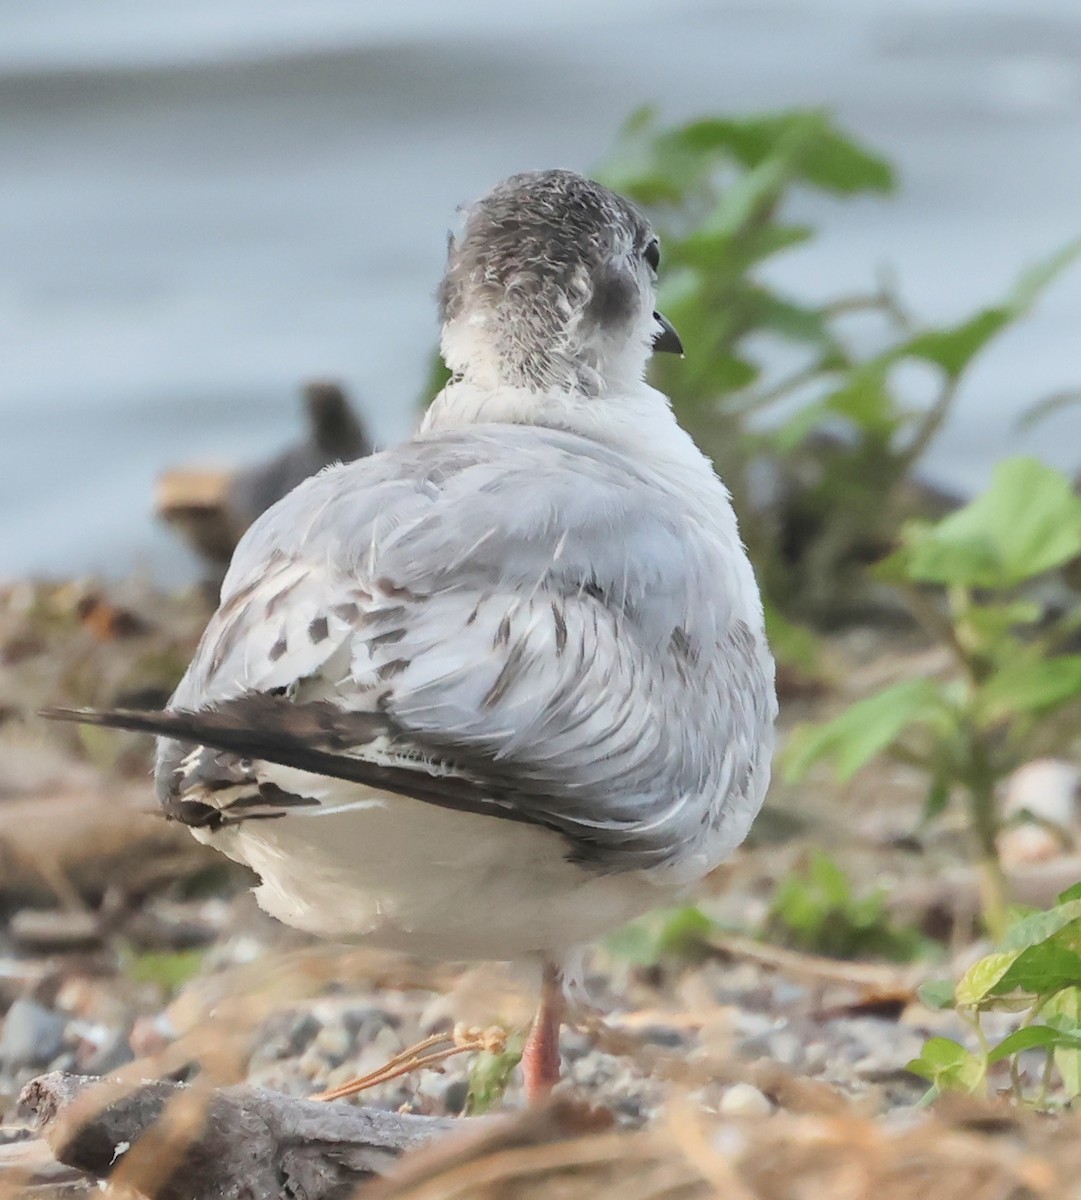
<point x="318" y="738"/>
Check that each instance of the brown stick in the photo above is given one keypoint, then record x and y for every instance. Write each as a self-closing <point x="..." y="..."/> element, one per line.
<point x="170" y="1141"/>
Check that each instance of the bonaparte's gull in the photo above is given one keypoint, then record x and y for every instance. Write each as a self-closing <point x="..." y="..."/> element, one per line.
<point x="491" y="693"/>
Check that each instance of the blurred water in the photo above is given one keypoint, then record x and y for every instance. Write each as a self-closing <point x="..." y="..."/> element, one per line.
<point x="204" y="204"/>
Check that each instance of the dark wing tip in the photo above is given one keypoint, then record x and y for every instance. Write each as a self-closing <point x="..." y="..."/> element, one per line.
<point x="109" y="718"/>
<point x="79" y="715"/>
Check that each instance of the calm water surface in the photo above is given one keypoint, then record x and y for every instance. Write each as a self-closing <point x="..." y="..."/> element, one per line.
<point x="204" y="204"/>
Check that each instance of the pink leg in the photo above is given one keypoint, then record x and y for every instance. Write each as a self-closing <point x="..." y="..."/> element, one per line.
<point x="540" y="1056"/>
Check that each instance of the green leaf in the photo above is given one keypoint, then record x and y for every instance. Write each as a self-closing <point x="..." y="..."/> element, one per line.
<point x="1031" y="1036"/>
<point x="648" y="165"/>
<point x="1063" y="1011"/>
<point x="744" y="200"/>
<point x="936" y="993"/>
<point x="1035" y="279"/>
<point x="439" y="375"/>
<point x="794" y="430"/>
<point x="863" y="730"/>
<point x="948" y="1065"/>
<point x="865" y="399"/>
<point x="666" y="933"/>
<point x="1040" y="970"/>
<point x="1071" y="893"/>
<point x="792" y="644"/>
<point x="994" y="624"/>
<point x="1047" y="407"/>
<point x="796" y="322"/>
<point x="1042" y="925"/>
<point x="938" y="796"/>
<point x="822" y="154"/>
<point x="1039" y="956"/>
<point x="1027" y="522"/>
<point x="953" y="349"/>
<point x="1033" y="685"/>
<point x="830" y="880"/>
<point x="815" y="908"/>
<point x="766" y="241"/>
<point x="981" y="979"/>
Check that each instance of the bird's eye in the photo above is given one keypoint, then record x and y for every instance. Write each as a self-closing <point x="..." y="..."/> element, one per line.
<point x="652" y="254"/>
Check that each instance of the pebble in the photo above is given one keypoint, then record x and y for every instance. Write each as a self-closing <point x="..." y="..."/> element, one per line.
<point x="787" y="1047"/>
<point x="108" y="1052"/>
<point x="745" y="1100"/>
<point x="664" y="1035"/>
<point x="334" y="1042"/>
<point x="33" y="1035"/>
<point x="815" y="1057"/>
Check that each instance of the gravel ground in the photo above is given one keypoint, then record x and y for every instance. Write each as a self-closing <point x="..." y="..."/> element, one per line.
<point x="634" y="1028"/>
<point x="121" y="942"/>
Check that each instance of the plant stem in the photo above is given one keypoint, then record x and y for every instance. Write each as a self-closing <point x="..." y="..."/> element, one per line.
<point x="985" y="1051"/>
<point x="928" y="428"/>
<point x="981" y="793"/>
<point x="1046" y="1079"/>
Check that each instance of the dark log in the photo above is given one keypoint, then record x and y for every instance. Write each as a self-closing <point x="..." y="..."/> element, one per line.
<point x="172" y="1141"/>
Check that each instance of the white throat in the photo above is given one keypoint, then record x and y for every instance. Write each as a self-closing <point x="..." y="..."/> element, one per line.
<point x="490" y="351"/>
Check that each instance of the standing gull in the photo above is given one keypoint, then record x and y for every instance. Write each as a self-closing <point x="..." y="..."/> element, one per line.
<point x="492" y="693"/>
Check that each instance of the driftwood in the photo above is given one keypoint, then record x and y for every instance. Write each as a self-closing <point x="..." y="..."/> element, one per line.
<point x="171" y="1141"/>
<point x="74" y="845"/>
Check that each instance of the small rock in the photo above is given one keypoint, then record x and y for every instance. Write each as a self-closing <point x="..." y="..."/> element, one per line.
<point x="445" y="1094"/>
<point x="302" y="1031"/>
<point x="745" y="1100"/>
<point x="787" y="995"/>
<point x="368" y="1024"/>
<point x="786" y="1047"/>
<point x="815" y="1057"/>
<point x="33" y="1034"/>
<point x="629" y="1110"/>
<point x="334" y="1043"/>
<point x="454" y="1100"/>
<point x="665" y="1035"/>
<point x="314" y="1067"/>
<point x="106" y="1052"/>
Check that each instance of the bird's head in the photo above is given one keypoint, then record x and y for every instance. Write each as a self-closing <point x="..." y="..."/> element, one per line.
<point x="551" y="285"/>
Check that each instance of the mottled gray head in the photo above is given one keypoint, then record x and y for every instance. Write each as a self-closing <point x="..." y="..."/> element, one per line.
<point x="552" y="283"/>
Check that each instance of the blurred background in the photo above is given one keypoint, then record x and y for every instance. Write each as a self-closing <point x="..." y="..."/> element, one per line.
<point x="206" y="204"/>
<point x="216" y="212"/>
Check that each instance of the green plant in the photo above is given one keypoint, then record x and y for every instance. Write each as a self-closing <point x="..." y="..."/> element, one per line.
<point x="1037" y="973"/>
<point x="489" y="1075"/>
<point x="681" y="932"/>
<point x="1012" y="693"/>
<point x="816" y="909"/>
<point x="168" y="969"/>
<point x="835" y="434"/>
<point x="820" y="454"/>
